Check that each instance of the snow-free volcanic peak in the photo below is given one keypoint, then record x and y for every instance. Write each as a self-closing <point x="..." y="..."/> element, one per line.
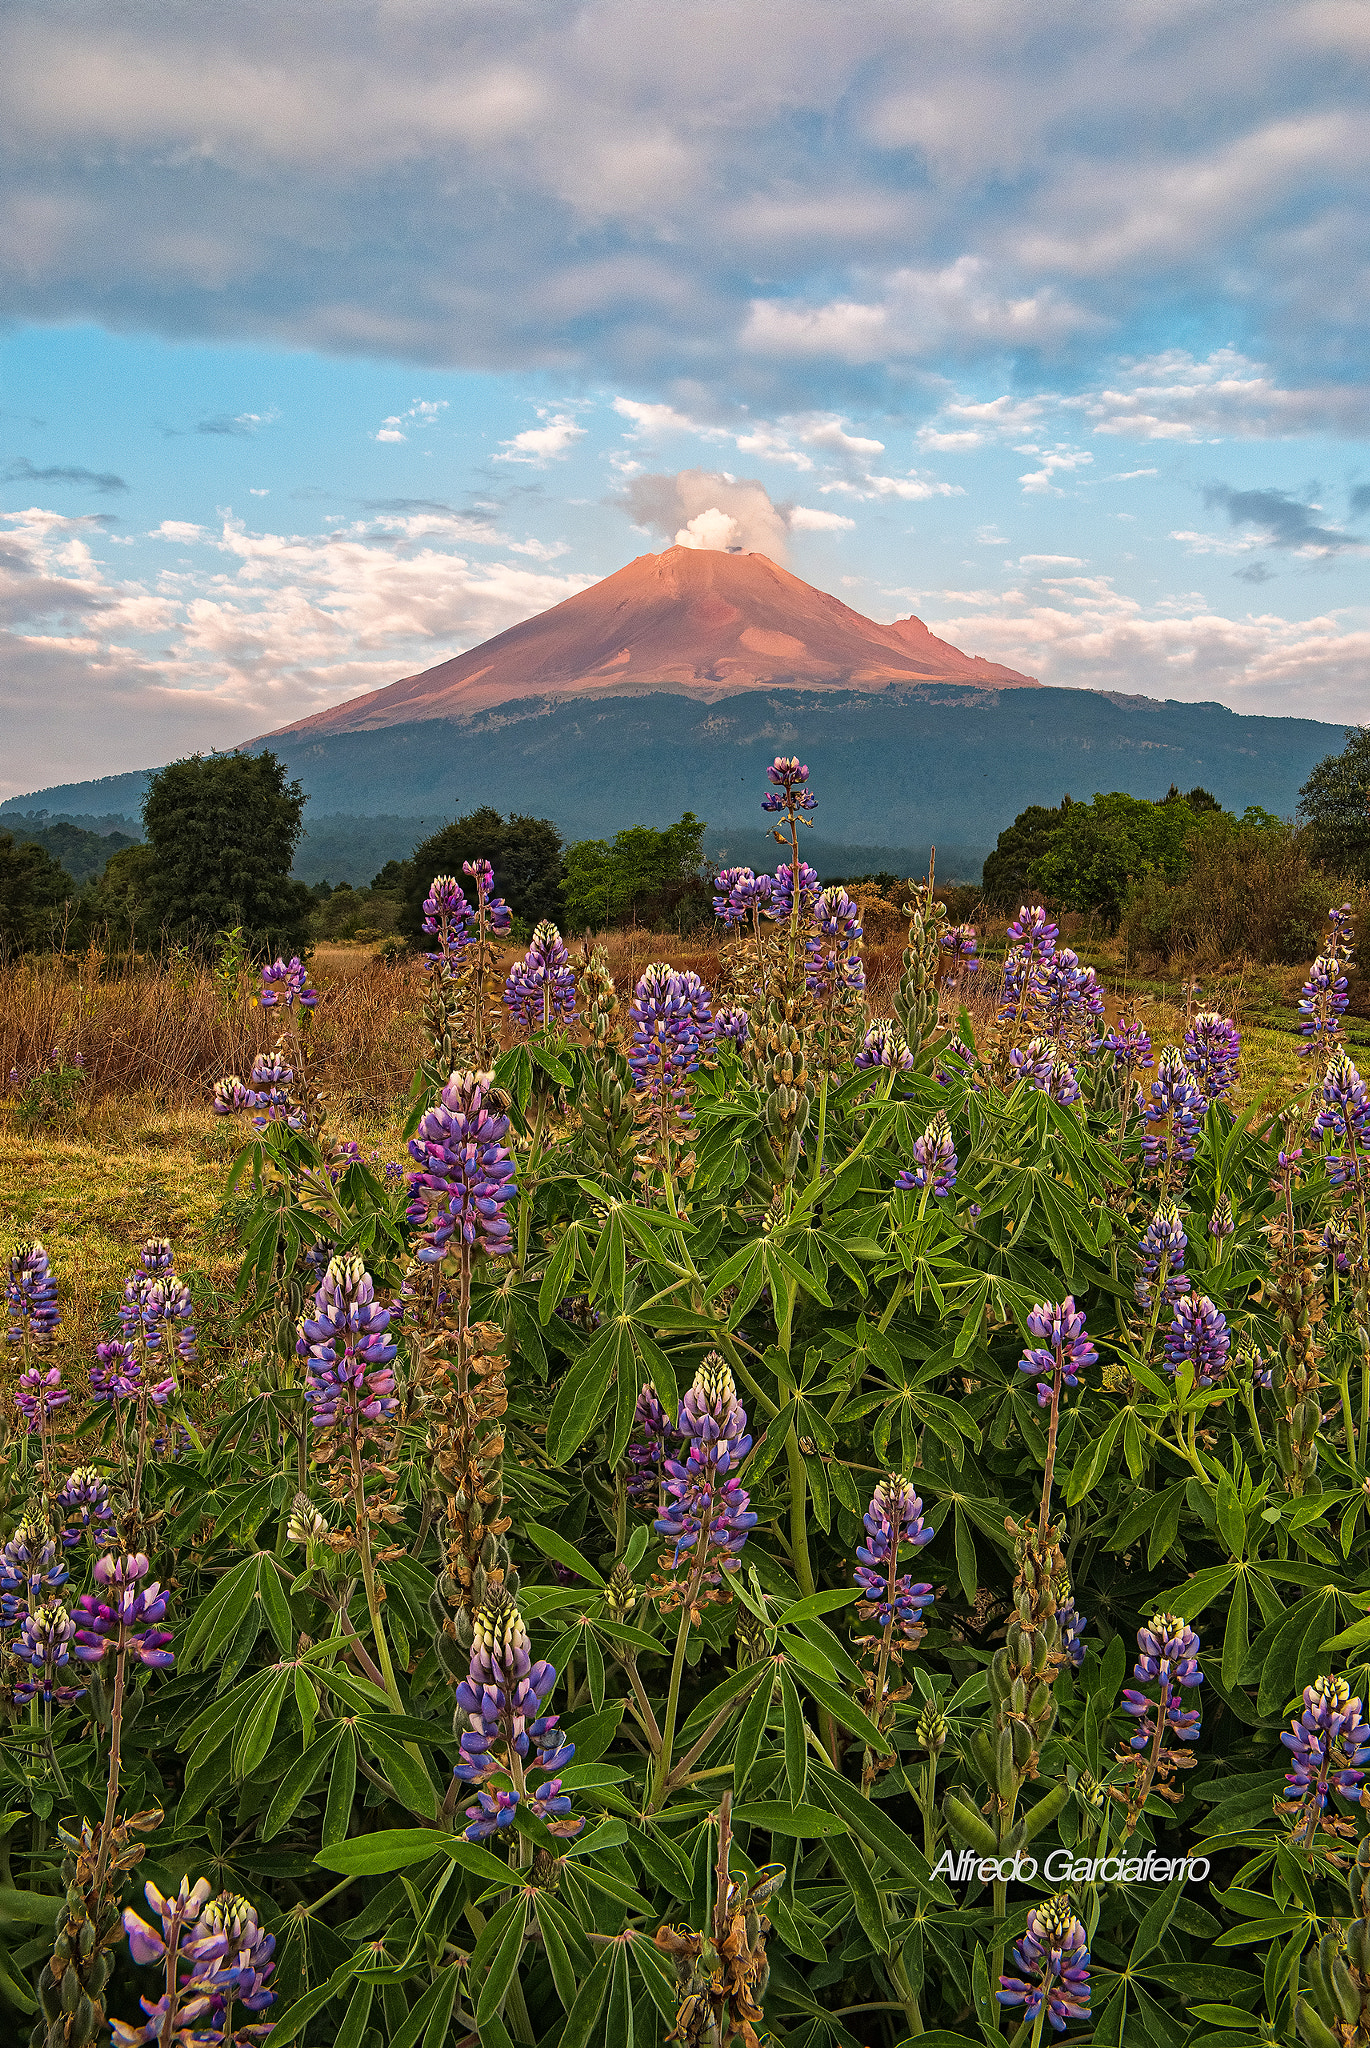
<point x="692" y="621"/>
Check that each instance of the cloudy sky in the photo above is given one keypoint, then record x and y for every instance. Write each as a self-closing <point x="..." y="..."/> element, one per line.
<point x="335" y="338"/>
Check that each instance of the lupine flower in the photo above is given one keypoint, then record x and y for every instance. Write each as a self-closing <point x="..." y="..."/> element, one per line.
<point x="1169" y="1660"/>
<point x="287" y="983"/>
<point x="349" y="1376"/>
<point x="782" y="896"/>
<point x="32" y="1296"/>
<point x="707" y="1510"/>
<point x="788" y="794"/>
<point x="230" y="1096"/>
<point x="44" y="1642"/>
<point x="1221" y="1223"/>
<point x="156" y="1256"/>
<point x="893" y="1521"/>
<point x="269" y="1089"/>
<point x="226" y="1959"/>
<point x="732" y="1025"/>
<point x="233" y="1958"/>
<point x="1323" y="1004"/>
<point x="1164" y="1239"/>
<point x="1198" y="1335"/>
<point x="833" y="965"/>
<point x="1212" y="1048"/>
<point x="1033" y="930"/>
<point x="1044" y="1066"/>
<point x="31" y="1566"/>
<point x="671" y="1024"/>
<point x="647" y="1447"/>
<point x="446" y="917"/>
<point x="961" y="942"/>
<point x="84" y="1500"/>
<point x="467" y="1174"/>
<point x="956" y="1062"/>
<point x="1177" y="1104"/>
<point x="1345" y="1115"/>
<point x="1129" y="1041"/>
<point x="1062" y="1345"/>
<point x="117" y="1374"/>
<point x="1070" y="1001"/>
<point x="1336" y="1244"/>
<point x="738" y="893"/>
<point x="1072" y="1624"/>
<point x="884" y="1045"/>
<point x="503" y="1696"/>
<point x="934" y="1157"/>
<point x="127" y="1614"/>
<point x="38" y="1395"/>
<point x="1053" y="1956"/>
<point x="499" y="917"/>
<point x="306" y="1523"/>
<point x="540" y="994"/>
<point x="1329" y="1744"/>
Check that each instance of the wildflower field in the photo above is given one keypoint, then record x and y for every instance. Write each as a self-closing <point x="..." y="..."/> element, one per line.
<point x="781" y="1497"/>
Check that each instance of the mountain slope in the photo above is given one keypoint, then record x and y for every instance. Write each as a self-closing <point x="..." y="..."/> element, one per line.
<point x="689" y="620"/>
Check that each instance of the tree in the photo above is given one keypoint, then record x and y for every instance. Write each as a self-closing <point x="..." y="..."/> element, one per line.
<point x="525" y="854"/>
<point x="1335" y="805"/>
<point x="653" y="876"/>
<point x="223" y="829"/>
<point x="1092" y="856"/>
<point x="34" y="889"/>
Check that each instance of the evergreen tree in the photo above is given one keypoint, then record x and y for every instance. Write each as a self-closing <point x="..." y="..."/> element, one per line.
<point x="524" y="852"/>
<point x="222" y="830"/>
<point x="34" y="889"/>
<point x="1335" y="805"/>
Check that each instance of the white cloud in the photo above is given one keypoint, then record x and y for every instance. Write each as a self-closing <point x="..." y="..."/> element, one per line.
<point x="913" y="487"/>
<point x="808" y="519"/>
<point x="1216" y="544"/>
<point x="673" y="506"/>
<point x="1059" y="461"/>
<point x="424" y="412"/>
<point x="540" y="444"/>
<point x="711" y="529"/>
<point x="253" y="492"/>
<point x="1125" y="476"/>
<point x="540" y="550"/>
<point x="1051" y="562"/>
<point x="990" y="537"/>
<point x="833" y="438"/>
<point x="649" y="421"/>
<point x="177" y="530"/>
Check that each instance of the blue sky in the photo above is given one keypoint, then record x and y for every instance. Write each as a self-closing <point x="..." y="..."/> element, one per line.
<point x="334" y="339"/>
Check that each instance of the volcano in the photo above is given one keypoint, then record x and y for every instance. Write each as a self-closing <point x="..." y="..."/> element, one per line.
<point x="689" y="621"/>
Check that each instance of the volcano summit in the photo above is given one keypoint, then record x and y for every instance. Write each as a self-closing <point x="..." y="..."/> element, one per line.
<point x="690" y="621"/>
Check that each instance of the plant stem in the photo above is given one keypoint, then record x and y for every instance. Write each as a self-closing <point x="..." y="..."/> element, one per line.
<point x="116" y="1730"/>
<point x="663" y="1762"/>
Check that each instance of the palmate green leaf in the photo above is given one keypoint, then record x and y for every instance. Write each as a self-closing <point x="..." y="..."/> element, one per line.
<point x="580" y="1397"/>
<point x="258" y="1730"/>
<point x="563" y="1553"/>
<point x="396" y="1848"/>
<point x="298" y="1780"/>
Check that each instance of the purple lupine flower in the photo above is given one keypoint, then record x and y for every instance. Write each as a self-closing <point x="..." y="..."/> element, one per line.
<point x="788" y="794"/>
<point x="499" y="917"/>
<point x="732" y="1026"/>
<point x="232" y="1958"/>
<point x="1322" y="1005"/>
<point x="1336" y="1245"/>
<point x="1043" y="1064"/>
<point x="269" y="1090"/>
<point x="116" y="1374"/>
<point x="1221" y="1223"/>
<point x="1176" y="1110"/>
<point x="893" y="1521"/>
<point x="447" y="918"/>
<point x="85" y="1504"/>
<point x="647" y="1448"/>
<point x="934" y="1157"/>
<point x="503" y="1697"/>
<point x="32" y="1295"/>
<point x="1053" y="1956"/>
<point x="707" y="1510"/>
<point x="44" y="1642"/>
<point x="1072" y="1623"/>
<point x="230" y="1096"/>
<point x="781" y="905"/>
<point x="349" y="1376"/>
<point x="38" y="1395"/>
<point x="467" y="1174"/>
<point x="1212" y="1048"/>
<point x="962" y="942"/>
<point x="288" y="983"/>
<point x="219" y="1957"/>
<point x="884" y="1045"/>
<point x="738" y="893"/>
<point x="1033" y="930"/>
<point x="540" y="994"/>
<point x="31" y="1566"/>
<point x="1345" y="1116"/>
<point x="171" y="2016"/>
<point x="833" y="965"/>
<point x="1129" y="1041"/>
<point x="1069" y="999"/>
<point x="1169" y="1659"/>
<point x="671" y="1024"/>
<point x="1163" y="1240"/>
<point x="126" y="1616"/>
<point x="1329" y="1745"/>
<point x="1063" y="1347"/>
<point x="166" y="1309"/>
<point x="1198" y="1335"/>
<point x="156" y="1256"/>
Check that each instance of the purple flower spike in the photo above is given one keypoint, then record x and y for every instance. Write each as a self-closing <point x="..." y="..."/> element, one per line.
<point x="1043" y="1064"/>
<point x="1072" y="1624"/>
<point x="1070" y="1000"/>
<point x="1212" y="1048"/>
<point x="540" y="994"/>
<point x="446" y="917"/>
<point x="934" y="1156"/>
<point x="499" y="917"/>
<point x="961" y="941"/>
<point x="32" y="1295"/>
<point x="38" y="1395"/>
<point x="781" y="905"/>
<point x="44" y="1642"/>
<point x="884" y="1045"/>
<point x="503" y="1697"/>
<point x="1199" y="1336"/>
<point x="833" y="968"/>
<point x="788" y="793"/>
<point x="288" y="983"/>
<point x="1345" y="1117"/>
<point x="124" y="1614"/>
<point x="707" y="1510"/>
<point x="1129" y="1041"/>
<point x="1221" y="1223"/>
<point x="731" y="1026"/>
<point x="1324" y="1000"/>
<point x="1033" y="930"/>
<point x="652" y="1430"/>
<point x="1053" y="1956"/>
<point x="467" y="1175"/>
<point x="31" y="1567"/>
<point x="893" y="1521"/>
<point x="672" y="1023"/>
<point x="1175" y="1111"/>
<point x="1329" y="1744"/>
<point x="1169" y="1660"/>
<point x="1163" y="1240"/>
<point x="738" y="894"/>
<point x="230" y="1096"/>
<point x="84" y="1500"/>
<point x="1063" y="1346"/>
<point x="349" y="1378"/>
